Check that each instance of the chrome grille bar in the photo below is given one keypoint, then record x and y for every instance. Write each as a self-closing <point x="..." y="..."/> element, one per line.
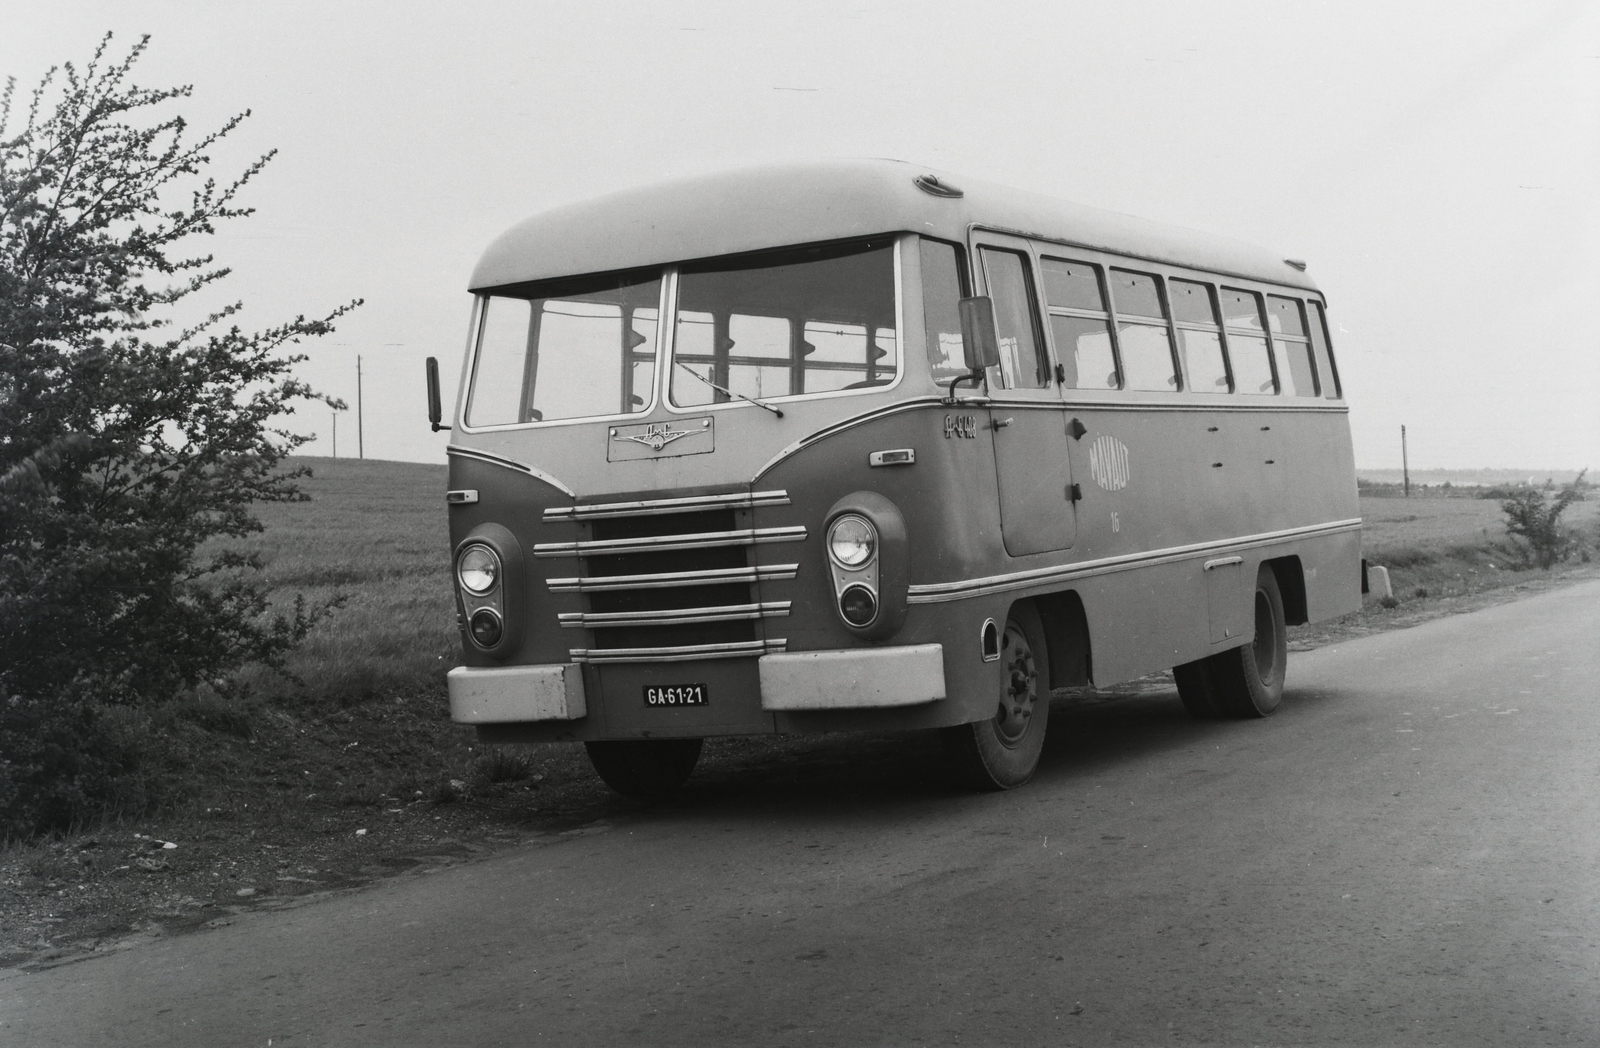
<point x="675" y="616"/>
<point x="674" y="579"/>
<point x="679" y="653"/>
<point x="656" y="507"/>
<point x="661" y="543"/>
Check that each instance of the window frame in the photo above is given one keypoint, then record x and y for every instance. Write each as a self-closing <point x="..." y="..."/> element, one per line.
<point x="1264" y="332"/>
<point x="1214" y="328"/>
<point x="1291" y="341"/>
<point x="1165" y="302"/>
<point x="1106" y="316"/>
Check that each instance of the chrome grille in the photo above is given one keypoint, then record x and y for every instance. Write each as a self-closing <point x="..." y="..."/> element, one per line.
<point x="669" y="579"/>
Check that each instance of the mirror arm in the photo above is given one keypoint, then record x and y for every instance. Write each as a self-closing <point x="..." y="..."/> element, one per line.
<point x="974" y="376"/>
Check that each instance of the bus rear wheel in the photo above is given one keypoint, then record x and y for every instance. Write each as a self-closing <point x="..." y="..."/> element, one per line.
<point x="1247" y="681"/>
<point x="644" y="768"/>
<point x="1002" y="752"/>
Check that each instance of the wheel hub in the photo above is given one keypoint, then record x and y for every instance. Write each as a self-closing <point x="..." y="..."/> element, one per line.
<point x="1020" y="688"/>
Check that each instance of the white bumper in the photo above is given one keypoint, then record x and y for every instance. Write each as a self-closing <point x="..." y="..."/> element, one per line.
<point x="857" y="678"/>
<point x="500" y="695"/>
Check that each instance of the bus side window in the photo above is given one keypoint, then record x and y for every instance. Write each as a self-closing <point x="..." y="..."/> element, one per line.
<point x="1288" y="323"/>
<point x="1245" y="328"/>
<point x="1022" y="363"/>
<point x="1142" y="332"/>
<point x="1199" y="337"/>
<point x="1326" y="368"/>
<point x="942" y="287"/>
<point x="1080" y="323"/>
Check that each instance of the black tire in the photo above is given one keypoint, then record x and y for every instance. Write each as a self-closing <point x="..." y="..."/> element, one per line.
<point x="645" y="768"/>
<point x="1194" y="688"/>
<point x="1248" y="681"/>
<point x="1002" y="752"/>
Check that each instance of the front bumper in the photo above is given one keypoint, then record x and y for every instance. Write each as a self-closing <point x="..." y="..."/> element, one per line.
<point x="855" y="678"/>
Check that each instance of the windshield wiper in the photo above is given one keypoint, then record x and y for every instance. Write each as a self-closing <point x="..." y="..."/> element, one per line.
<point x="729" y="392"/>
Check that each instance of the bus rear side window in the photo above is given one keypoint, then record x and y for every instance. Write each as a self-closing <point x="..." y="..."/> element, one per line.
<point x="1199" y="336"/>
<point x="1288" y="324"/>
<point x="1142" y="333"/>
<point x="1080" y="323"/>
<point x="1247" y="342"/>
<point x="1326" y="368"/>
<point x="581" y="351"/>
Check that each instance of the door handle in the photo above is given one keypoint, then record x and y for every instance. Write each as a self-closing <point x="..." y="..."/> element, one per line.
<point x="1002" y="423"/>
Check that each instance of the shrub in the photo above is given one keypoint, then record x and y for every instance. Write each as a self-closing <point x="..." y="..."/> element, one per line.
<point x="1534" y="522"/>
<point x="125" y="443"/>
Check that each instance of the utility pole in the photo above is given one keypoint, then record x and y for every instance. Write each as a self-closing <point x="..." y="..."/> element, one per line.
<point x="335" y="413"/>
<point x="1405" y="464"/>
<point x="361" y="446"/>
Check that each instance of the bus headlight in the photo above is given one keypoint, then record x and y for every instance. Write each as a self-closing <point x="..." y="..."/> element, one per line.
<point x="478" y="570"/>
<point x="486" y="627"/>
<point x="852" y="541"/>
<point x="858" y="605"/>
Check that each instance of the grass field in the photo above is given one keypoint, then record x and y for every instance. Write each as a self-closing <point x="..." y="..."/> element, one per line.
<point x="349" y="768"/>
<point x="1454" y="545"/>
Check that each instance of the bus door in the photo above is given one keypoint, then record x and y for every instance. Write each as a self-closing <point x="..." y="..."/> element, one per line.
<point x="1037" y="510"/>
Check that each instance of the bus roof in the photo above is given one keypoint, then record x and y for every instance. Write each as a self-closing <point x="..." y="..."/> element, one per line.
<point x="799" y="203"/>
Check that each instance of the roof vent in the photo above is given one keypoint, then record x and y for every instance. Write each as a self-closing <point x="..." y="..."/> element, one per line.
<point x="930" y="184"/>
<point x="1298" y="263"/>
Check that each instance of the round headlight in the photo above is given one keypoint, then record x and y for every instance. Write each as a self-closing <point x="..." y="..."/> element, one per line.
<point x="858" y="606"/>
<point x="485" y="627"/>
<point x="852" y="541"/>
<point x="478" y="570"/>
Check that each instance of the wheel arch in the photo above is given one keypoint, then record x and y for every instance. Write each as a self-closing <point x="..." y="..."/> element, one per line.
<point x="1066" y="638"/>
<point x="1292" y="586"/>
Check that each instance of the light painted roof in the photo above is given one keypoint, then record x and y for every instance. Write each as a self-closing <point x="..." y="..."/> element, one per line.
<point x="799" y="203"/>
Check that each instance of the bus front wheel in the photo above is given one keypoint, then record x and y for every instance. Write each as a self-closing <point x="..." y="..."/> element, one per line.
<point x="1001" y="753"/>
<point x="644" y="767"/>
<point x="1242" y="682"/>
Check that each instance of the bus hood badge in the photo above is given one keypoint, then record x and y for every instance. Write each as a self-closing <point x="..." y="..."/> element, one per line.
<point x="659" y="439"/>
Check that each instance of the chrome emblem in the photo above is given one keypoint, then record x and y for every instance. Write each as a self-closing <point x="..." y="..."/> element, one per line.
<point x="656" y="436"/>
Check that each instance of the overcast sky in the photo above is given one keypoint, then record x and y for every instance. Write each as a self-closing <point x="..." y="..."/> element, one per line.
<point x="1438" y="164"/>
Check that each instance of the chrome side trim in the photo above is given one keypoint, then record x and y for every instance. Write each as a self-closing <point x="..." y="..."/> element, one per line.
<point x="680" y="653"/>
<point x="660" y="543"/>
<point x="654" y="507"/>
<point x="675" y="616"/>
<point x="939" y="592"/>
<point x="674" y="579"/>
<point x="520" y="467"/>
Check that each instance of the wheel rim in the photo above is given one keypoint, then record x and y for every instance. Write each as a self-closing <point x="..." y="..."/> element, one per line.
<point x="1019" y="689"/>
<point x="1266" y="645"/>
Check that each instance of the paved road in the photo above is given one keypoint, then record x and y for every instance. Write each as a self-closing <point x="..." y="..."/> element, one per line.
<point x="1409" y="853"/>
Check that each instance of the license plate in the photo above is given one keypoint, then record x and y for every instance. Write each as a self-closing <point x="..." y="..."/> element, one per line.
<point x="675" y="695"/>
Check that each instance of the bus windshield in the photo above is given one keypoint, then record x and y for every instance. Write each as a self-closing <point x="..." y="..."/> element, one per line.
<point x="786" y="323"/>
<point x="792" y="322"/>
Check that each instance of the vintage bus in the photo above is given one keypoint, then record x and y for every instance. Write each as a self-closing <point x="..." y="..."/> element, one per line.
<point x="860" y="446"/>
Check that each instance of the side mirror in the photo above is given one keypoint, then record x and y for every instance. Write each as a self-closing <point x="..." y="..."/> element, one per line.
<point x="978" y="337"/>
<point x="435" y="408"/>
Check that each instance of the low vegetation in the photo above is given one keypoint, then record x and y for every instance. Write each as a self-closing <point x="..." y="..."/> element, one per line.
<point x="133" y="440"/>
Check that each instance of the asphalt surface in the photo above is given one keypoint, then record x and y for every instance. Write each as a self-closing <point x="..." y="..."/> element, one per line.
<point x="1407" y="854"/>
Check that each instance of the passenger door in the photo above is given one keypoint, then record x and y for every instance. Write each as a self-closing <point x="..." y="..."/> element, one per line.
<point x="1026" y="414"/>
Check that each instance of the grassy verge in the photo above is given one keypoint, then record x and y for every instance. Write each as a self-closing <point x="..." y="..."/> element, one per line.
<point x="348" y="768"/>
